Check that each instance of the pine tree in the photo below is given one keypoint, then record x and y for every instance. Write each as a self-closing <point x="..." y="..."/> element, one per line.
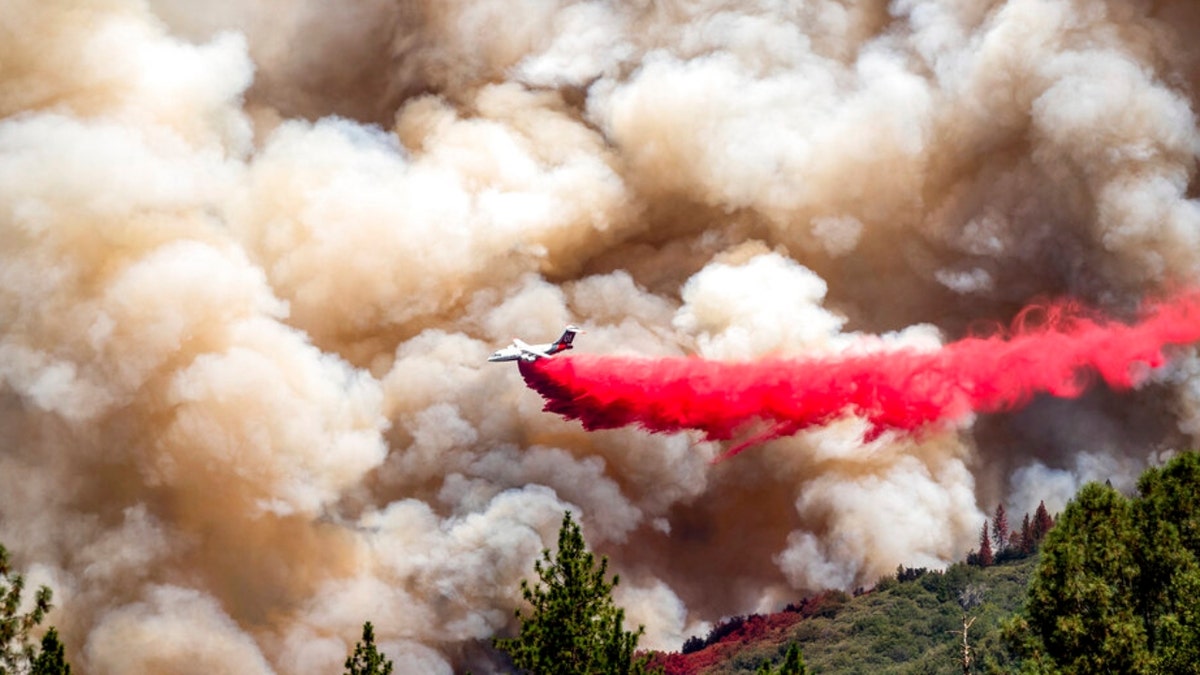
<point x="574" y="627"/>
<point x="366" y="659"/>
<point x="1042" y="523"/>
<point x="985" y="558"/>
<point x="1027" y="542"/>
<point x="1000" y="529"/>
<point x="51" y="660"/>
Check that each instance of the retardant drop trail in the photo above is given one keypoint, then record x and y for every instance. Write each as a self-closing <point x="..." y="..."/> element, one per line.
<point x="902" y="390"/>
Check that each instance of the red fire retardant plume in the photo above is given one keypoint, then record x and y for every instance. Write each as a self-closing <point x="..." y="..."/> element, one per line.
<point x="1056" y="349"/>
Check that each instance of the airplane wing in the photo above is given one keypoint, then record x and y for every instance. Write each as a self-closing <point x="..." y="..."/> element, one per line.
<point x="530" y="352"/>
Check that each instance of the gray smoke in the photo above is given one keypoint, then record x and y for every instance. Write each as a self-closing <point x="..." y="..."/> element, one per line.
<point x="253" y="257"/>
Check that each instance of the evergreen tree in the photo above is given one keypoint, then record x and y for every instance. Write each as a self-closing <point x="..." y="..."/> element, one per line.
<point x="792" y="664"/>
<point x="1042" y="523"/>
<point x="1027" y="542"/>
<point x="1081" y="607"/>
<point x="1168" y="518"/>
<point x="1118" y="580"/>
<point x="17" y="650"/>
<point x="1000" y="529"/>
<point x="366" y="659"/>
<point x="574" y="627"/>
<point x="51" y="660"/>
<point x="985" y="558"/>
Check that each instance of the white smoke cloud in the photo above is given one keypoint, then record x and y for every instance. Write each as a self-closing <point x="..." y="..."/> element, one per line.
<point x="253" y="257"/>
<point x="176" y="629"/>
<point x="768" y="305"/>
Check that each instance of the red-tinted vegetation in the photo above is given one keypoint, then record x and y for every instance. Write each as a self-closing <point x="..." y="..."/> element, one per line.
<point x="1016" y="544"/>
<point x="733" y="634"/>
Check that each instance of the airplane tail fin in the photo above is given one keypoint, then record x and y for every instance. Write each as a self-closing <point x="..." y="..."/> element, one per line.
<point x="568" y="337"/>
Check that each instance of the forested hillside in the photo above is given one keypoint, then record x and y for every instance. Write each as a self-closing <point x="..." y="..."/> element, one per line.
<point x="1111" y="588"/>
<point x="909" y="626"/>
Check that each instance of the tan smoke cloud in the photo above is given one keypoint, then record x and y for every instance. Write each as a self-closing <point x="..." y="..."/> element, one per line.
<point x="253" y="257"/>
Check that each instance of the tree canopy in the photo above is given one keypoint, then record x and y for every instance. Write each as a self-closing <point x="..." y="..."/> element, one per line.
<point x="1081" y="602"/>
<point x="366" y="659"/>
<point x="1116" y="585"/>
<point x="52" y="659"/>
<point x="574" y="626"/>
<point x="18" y="651"/>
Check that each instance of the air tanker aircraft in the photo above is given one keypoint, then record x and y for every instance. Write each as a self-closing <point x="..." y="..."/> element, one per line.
<point x="521" y="350"/>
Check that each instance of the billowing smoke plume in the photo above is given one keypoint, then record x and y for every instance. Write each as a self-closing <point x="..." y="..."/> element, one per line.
<point x="253" y="257"/>
<point x="903" y="390"/>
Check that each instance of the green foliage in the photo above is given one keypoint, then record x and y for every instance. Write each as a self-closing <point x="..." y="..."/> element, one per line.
<point x="793" y="664"/>
<point x="1115" y="590"/>
<point x="1168" y="547"/>
<point x="1116" y="587"/>
<point x="574" y="627"/>
<point x="17" y="650"/>
<point x="51" y="660"/>
<point x="1081" y="603"/>
<point x="366" y="659"/>
<point x="904" y="627"/>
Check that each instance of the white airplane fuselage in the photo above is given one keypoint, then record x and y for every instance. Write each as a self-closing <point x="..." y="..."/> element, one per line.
<point x="520" y="350"/>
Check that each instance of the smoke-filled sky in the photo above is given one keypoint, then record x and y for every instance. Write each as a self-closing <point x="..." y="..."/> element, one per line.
<point x="253" y="256"/>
